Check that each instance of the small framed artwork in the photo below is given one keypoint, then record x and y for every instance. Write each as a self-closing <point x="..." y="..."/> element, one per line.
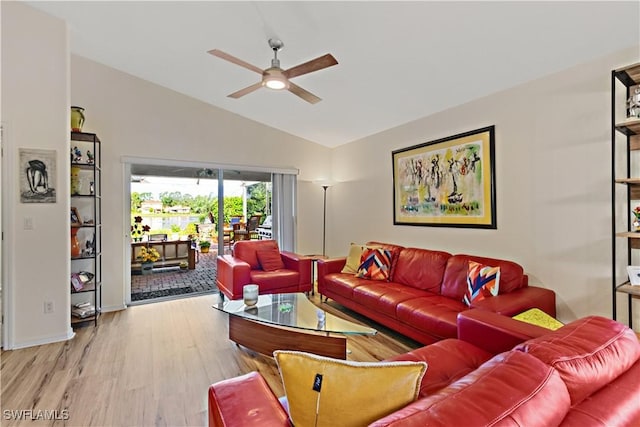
<point x="76" y="282"/>
<point x="37" y="176"/>
<point x="634" y="274"/>
<point x="449" y="182"/>
<point x="75" y="217"/>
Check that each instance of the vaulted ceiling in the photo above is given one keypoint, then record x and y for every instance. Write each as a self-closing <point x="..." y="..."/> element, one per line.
<point x="398" y="61"/>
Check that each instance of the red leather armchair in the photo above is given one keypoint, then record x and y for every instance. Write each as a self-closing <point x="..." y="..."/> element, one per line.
<point x="245" y="266"/>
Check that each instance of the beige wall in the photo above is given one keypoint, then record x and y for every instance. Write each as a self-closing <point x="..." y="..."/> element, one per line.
<point x="553" y="184"/>
<point x="35" y="111"/>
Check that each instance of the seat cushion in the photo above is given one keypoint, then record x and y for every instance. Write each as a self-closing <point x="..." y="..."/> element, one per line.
<point x="327" y="392"/>
<point x="436" y="314"/>
<point x="384" y="297"/>
<point x="274" y="279"/>
<point x="343" y="284"/>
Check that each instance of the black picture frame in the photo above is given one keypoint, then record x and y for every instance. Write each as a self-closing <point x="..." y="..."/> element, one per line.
<point x="449" y="182"/>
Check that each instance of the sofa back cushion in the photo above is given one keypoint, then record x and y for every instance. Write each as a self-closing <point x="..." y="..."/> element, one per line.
<point x="421" y="268"/>
<point x="508" y="390"/>
<point x="246" y="250"/>
<point x="588" y="353"/>
<point x="454" y="283"/>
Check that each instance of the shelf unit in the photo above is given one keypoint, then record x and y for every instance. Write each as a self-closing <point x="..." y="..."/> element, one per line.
<point x="625" y="171"/>
<point x="86" y="200"/>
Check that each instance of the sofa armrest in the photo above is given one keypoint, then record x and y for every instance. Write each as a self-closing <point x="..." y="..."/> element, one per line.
<point x="243" y="401"/>
<point x="299" y="263"/>
<point x="494" y="332"/>
<point x="232" y="275"/>
<point x="328" y="266"/>
<point x="520" y="300"/>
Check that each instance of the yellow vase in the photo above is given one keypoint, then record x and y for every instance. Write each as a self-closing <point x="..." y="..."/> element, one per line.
<point x="77" y="119"/>
<point x="75" y="180"/>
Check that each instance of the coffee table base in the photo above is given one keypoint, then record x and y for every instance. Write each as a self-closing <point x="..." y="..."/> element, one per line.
<point x="265" y="339"/>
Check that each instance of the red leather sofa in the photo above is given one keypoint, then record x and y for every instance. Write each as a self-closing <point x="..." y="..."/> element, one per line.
<point x="583" y="374"/>
<point x="244" y="267"/>
<point x="425" y="292"/>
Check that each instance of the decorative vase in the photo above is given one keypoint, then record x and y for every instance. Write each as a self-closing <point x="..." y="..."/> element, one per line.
<point x="75" y="180"/>
<point x="250" y="294"/>
<point x="77" y="119"/>
<point x="636" y="225"/>
<point x="147" y="268"/>
<point x="75" y="244"/>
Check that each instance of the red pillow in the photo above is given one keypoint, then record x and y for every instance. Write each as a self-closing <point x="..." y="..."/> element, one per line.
<point x="270" y="259"/>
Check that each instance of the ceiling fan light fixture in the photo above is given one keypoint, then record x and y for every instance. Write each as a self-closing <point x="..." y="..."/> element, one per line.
<point x="273" y="78"/>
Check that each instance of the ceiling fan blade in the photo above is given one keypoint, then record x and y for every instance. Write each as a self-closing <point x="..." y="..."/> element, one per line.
<point x="247" y="90"/>
<point x="304" y="94"/>
<point x="314" y="65"/>
<point x="233" y="59"/>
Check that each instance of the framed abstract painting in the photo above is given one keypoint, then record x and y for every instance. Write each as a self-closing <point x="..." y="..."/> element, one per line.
<point x="449" y="182"/>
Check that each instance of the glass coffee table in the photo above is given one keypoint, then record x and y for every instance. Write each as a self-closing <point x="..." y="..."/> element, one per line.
<point x="289" y="322"/>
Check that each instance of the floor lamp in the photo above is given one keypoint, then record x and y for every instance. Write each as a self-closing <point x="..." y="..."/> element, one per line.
<point x="324" y="221"/>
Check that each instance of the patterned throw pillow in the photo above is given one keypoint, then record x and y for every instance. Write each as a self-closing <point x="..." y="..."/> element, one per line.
<point x="375" y="264"/>
<point x="482" y="282"/>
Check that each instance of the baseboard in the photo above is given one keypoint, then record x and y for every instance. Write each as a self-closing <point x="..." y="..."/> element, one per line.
<point x="45" y="340"/>
<point x="113" y="308"/>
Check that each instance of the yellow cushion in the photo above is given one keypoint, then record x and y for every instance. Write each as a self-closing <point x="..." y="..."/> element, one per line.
<point x="353" y="259"/>
<point x="535" y="316"/>
<point x="351" y="393"/>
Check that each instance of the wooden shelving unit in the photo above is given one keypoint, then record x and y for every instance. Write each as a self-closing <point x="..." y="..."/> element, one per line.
<point x="87" y="200"/>
<point x="624" y="130"/>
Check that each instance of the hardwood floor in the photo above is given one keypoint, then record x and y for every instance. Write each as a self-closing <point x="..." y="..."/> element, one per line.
<point x="147" y="365"/>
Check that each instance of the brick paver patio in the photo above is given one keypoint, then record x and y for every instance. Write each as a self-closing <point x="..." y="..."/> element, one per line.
<point x="171" y="282"/>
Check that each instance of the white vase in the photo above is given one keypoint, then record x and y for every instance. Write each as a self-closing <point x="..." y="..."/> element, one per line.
<point x="147" y="268"/>
<point x="250" y="294"/>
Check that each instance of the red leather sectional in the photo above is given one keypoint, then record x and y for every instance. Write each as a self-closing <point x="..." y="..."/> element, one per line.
<point x="583" y="374"/>
<point x="424" y="294"/>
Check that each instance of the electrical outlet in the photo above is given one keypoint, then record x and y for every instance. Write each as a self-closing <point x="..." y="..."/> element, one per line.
<point x="48" y="307"/>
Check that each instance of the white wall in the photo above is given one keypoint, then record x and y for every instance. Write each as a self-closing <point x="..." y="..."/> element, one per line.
<point x="35" y="110"/>
<point x="136" y="118"/>
<point x="553" y="184"/>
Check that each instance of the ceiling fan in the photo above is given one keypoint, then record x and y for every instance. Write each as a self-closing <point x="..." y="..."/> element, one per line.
<point x="275" y="77"/>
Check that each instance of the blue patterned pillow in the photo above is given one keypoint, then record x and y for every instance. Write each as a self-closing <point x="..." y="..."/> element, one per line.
<point x="482" y="282"/>
<point x="375" y="264"/>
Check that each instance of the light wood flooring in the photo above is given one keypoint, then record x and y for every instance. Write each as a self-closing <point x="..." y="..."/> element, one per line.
<point x="147" y="365"/>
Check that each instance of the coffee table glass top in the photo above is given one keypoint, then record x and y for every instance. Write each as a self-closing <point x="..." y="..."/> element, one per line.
<point x="294" y="311"/>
